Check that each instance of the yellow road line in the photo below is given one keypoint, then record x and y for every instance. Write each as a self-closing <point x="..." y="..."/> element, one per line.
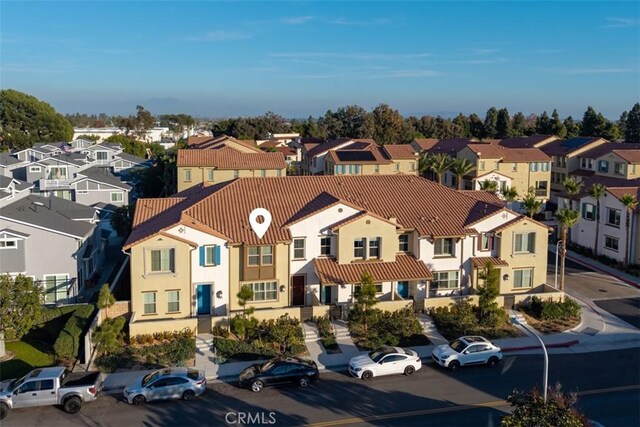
<point x="494" y="404"/>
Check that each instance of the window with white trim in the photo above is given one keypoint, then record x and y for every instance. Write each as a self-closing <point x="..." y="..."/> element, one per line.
<point x="325" y="246"/>
<point x="611" y="243"/>
<point x="117" y="197"/>
<point x="149" y="302"/>
<point x="613" y="217"/>
<point x="299" y="248"/>
<point x="264" y="291"/>
<point x="173" y="301"/>
<point x="445" y="279"/>
<point x="524" y="242"/>
<point x="523" y="278"/>
<point x="163" y="260"/>
<point x="444" y="247"/>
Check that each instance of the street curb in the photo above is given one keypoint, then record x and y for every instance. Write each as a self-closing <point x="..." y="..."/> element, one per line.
<point x="533" y="347"/>
<point x="600" y="270"/>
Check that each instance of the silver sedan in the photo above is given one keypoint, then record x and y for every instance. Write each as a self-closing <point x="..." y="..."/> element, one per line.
<point x="171" y="383"/>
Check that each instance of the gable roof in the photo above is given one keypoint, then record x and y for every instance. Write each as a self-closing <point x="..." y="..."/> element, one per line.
<point x="52" y="213"/>
<point x="416" y="203"/>
<point x="228" y="158"/>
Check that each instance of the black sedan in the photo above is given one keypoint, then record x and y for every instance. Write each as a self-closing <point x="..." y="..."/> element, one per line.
<point x="279" y="371"/>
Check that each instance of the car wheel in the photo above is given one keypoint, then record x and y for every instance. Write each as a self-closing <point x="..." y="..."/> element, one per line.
<point x="257" y="386"/>
<point x="4" y="411"/>
<point x="492" y="362"/>
<point x="188" y="395"/>
<point x="72" y="405"/>
<point x="409" y="370"/>
<point x="139" y="400"/>
<point x="454" y="365"/>
<point x="367" y="375"/>
<point x="304" y="381"/>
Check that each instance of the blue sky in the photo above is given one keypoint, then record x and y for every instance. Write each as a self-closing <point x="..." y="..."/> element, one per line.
<point x="301" y="58"/>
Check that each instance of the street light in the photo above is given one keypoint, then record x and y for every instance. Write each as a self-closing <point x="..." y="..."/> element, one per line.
<point x="545" y="373"/>
<point x="555" y="282"/>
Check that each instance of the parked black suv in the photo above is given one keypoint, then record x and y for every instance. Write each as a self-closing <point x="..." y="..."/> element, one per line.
<point x="279" y="371"/>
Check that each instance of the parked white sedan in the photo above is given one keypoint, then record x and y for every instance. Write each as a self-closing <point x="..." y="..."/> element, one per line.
<point x="468" y="350"/>
<point x="385" y="361"/>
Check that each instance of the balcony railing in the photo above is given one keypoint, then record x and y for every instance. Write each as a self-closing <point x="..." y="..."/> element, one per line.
<point x="53" y="183"/>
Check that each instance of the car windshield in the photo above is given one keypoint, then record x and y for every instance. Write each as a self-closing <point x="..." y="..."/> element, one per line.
<point x="377" y="355"/>
<point x="149" y="377"/>
<point x="266" y="366"/>
<point x="457" y="345"/>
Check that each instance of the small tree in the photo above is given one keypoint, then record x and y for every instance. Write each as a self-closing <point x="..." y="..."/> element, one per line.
<point x="531" y="203"/>
<point x="488" y="292"/>
<point x="530" y="409"/>
<point x="20" y="306"/>
<point x="105" y="297"/>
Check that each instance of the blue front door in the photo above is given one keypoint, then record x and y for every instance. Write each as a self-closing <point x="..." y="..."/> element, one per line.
<point x="403" y="289"/>
<point x="204" y="299"/>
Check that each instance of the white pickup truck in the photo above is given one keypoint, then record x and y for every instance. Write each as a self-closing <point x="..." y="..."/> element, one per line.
<point x="50" y="386"/>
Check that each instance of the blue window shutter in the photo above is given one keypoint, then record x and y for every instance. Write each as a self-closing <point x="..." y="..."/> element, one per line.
<point x="202" y="256"/>
<point x="216" y="254"/>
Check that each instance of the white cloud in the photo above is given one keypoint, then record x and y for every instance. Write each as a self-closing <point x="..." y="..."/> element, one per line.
<point x="613" y="22"/>
<point x="220" y="35"/>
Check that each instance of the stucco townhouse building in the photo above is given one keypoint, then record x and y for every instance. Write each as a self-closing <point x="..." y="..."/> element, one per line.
<point x="422" y="242"/>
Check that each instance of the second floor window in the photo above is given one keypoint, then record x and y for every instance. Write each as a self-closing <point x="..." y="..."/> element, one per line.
<point x="259" y="255"/>
<point x="298" y="248"/>
<point x="524" y="242"/>
<point x="589" y="211"/>
<point x="403" y="243"/>
<point x="187" y="174"/>
<point x="358" y="248"/>
<point x="613" y="217"/>
<point x="325" y="246"/>
<point x="444" y="247"/>
<point x="163" y="260"/>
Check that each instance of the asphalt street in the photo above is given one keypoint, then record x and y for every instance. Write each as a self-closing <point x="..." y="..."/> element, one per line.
<point x="475" y="396"/>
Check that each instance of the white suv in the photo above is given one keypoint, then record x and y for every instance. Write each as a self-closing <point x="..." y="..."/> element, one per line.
<point x="468" y="350"/>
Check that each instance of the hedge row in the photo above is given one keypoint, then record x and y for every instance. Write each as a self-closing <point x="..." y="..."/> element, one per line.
<point x="67" y="346"/>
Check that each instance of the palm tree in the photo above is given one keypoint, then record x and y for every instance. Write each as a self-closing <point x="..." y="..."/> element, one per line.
<point x="510" y="194"/>
<point x="439" y="163"/>
<point x="531" y="203"/>
<point x="567" y="218"/>
<point x="630" y="202"/>
<point x="572" y="188"/>
<point x="597" y="191"/>
<point x="488" y="185"/>
<point x="460" y="168"/>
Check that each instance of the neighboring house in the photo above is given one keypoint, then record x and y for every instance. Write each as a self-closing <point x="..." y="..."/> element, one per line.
<point x="191" y="253"/>
<point x="54" y="241"/>
<point x="195" y="166"/>
<point x="9" y="163"/>
<point x="613" y="232"/>
<point x="99" y="185"/>
<point x="371" y="159"/>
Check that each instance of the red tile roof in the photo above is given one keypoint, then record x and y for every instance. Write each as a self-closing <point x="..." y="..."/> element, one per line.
<point x="481" y="262"/>
<point x="400" y="151"/>
<point x="228" y="158"/>
<point x="425" y="144"/>
<point x="405" y="267"/>
<point x="416" y="203"/>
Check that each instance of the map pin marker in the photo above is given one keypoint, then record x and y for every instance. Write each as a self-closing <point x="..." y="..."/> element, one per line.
<point x="260" y="227"/>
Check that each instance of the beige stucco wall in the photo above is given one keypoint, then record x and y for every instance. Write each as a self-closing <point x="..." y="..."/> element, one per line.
<point x="201" y="174"/>
<point x="142" y="280"/>
<point x="236" y="280"/>
<point x="367" y="226"/>
<point x="537" y="260"/>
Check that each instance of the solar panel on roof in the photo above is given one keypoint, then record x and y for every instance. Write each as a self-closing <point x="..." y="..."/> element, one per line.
<point x="355" y="156"/>
<point x="575" y="142"/>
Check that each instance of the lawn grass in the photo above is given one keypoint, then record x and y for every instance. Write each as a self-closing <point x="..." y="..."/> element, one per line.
<point x="28" y="355"/>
